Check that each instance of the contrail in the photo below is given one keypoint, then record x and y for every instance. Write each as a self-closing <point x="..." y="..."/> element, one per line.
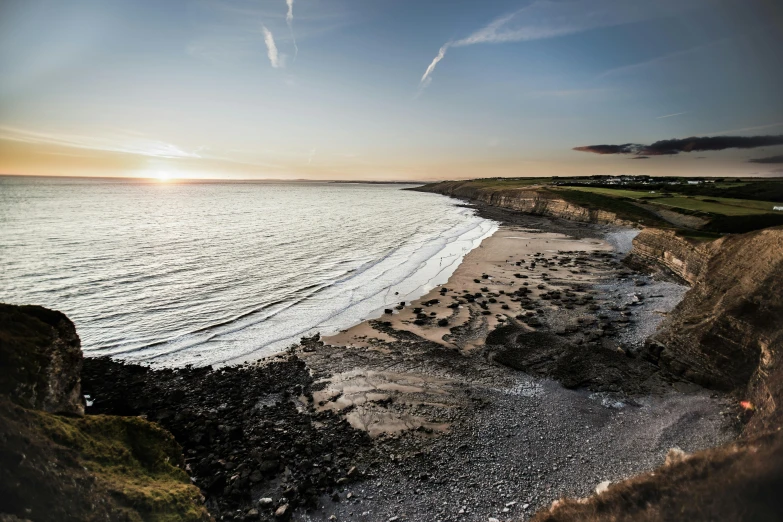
<point x="426" y="79"/>
<point x="289" y="18"/>
<point x="671" y="115"/>
<point x="271" y="48"/>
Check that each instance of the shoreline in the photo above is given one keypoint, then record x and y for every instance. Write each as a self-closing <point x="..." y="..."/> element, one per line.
<point x="492" y="421"/>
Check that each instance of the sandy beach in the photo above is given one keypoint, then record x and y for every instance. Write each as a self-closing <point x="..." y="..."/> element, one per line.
<point x="537" y="258"/>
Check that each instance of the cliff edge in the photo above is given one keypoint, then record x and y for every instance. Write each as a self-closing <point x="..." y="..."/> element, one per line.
<point x="726" y="334"/>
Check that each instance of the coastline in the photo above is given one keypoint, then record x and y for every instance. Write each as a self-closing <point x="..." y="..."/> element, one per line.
<point x="462" y="428"/>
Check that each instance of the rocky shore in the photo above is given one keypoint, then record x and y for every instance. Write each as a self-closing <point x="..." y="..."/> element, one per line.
<point x="516" y="383"/>
<point x="529" y="377"/>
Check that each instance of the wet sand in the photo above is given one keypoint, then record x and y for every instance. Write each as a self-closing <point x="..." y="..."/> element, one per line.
<point x="497" y="257"/>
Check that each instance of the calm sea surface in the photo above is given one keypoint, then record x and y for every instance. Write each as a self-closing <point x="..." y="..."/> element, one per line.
<point x="210" y="273"/>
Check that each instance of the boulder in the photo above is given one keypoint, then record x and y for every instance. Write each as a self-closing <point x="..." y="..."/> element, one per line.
<point x="41" y="358"/>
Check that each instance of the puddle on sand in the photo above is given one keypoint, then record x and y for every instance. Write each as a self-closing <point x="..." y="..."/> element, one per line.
<point x="386" y="402"/>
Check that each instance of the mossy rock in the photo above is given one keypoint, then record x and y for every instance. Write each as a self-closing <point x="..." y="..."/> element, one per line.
<point x="92" y="468"/>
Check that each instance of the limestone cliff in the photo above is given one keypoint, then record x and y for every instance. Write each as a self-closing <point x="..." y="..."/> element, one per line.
<point x="663" y="250"/>
<point x="532" y="200"/>
<point x="728" y="330"/>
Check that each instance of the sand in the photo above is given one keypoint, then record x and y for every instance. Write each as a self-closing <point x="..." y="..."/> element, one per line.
<point x="496" y="257"/>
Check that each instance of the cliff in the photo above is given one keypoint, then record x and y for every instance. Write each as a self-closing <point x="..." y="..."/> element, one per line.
<point x="57" y="464"/>
<point x="532" y="200"/>
<point x="663" y="250"/>
<point x="728" y="327"/>
<point x="726" y="334"/>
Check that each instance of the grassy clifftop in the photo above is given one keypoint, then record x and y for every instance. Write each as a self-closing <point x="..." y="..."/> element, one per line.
<point x="712" y="207"/>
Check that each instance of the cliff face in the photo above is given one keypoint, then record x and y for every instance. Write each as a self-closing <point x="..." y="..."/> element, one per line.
<point x="728" y="330"/>
<point x="57" y="467"/>
<point x="727" y="333"/>
<point x="530" y="200"/>
<point x="660" y="250"/>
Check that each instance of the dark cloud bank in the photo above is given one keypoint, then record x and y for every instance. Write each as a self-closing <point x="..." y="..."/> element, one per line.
<point x="693" y="144"/>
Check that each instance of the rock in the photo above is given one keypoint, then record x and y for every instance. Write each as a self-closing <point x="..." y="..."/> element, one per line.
<point x="282" y="511"/>
<point x="265" y="501"/>
<point x="41" y="359"/>
<point x="603" y="486"/>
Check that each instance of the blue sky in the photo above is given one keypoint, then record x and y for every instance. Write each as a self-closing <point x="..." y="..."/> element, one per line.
<point x="338" y="90"/>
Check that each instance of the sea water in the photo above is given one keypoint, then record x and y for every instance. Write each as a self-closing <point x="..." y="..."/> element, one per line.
<point x="218" y="273"/>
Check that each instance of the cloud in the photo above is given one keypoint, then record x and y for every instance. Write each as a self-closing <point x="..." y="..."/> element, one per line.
<point x="692" y="144"/>
<point x="289" y="19"/>
<point x="271" y="48"/>
<point x="125" y="142"/>
<point x="671" y="115"/>
<point x="552" y="18"/>
<point x="770" y="159"/>
<point x="628" y="148"/>
<point x="548" y="19"/>
<point x="427" y="77"/>
<point x="746" y="129"/>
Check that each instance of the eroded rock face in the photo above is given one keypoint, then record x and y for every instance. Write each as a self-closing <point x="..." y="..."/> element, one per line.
<point x="659" y="250"/>
<point x="41" y="359"/>
<point x="728" y="330"/>
<point x="530" y="201"/>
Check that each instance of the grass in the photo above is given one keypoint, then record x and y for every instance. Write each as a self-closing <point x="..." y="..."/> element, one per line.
<point x="134" y="459"/>
<point x="92" y="468"/>
<point x="623" y="209"/>
<point x="709" y="205"/>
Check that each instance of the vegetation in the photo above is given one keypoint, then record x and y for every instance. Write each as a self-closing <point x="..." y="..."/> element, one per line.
<point x="719" y="206"/>
<point x="92" y="468"/>
<point x="714" y="205"/>
<point x="622" y="208"/>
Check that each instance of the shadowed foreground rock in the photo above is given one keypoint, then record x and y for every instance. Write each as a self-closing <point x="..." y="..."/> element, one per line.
<point x="41" y="359"/>
<point x="70" y="467"/>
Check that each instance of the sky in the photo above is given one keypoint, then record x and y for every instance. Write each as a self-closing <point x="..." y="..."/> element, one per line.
<point x="388" y="89"/>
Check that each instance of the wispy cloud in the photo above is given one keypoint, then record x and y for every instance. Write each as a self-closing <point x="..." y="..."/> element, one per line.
<point x="310" y="157"/>
<point x="271" y="48"/>
<point x="747" y="129"/>
<point x="671" y="115"/>
<point x="553" y="18"/>
<point x="289" y="19"/>
<point x="662" y="60"/>
<point x="124" y="142"/>
<point x="426" y="79"/>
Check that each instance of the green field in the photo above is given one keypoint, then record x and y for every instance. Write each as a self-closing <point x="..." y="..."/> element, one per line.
<point x="709" y="205"/>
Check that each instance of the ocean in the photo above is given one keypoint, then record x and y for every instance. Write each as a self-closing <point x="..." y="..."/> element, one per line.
<point x="171" y="274"/>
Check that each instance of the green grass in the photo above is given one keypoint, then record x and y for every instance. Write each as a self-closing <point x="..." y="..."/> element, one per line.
<point x="717" y="205"/>
<point x="623" y="209"/>
<point x="709" y="207"/>
<point x="134" y="459"/>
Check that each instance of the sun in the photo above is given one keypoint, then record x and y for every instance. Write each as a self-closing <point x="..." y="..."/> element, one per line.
<point x="163" y="176"/>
